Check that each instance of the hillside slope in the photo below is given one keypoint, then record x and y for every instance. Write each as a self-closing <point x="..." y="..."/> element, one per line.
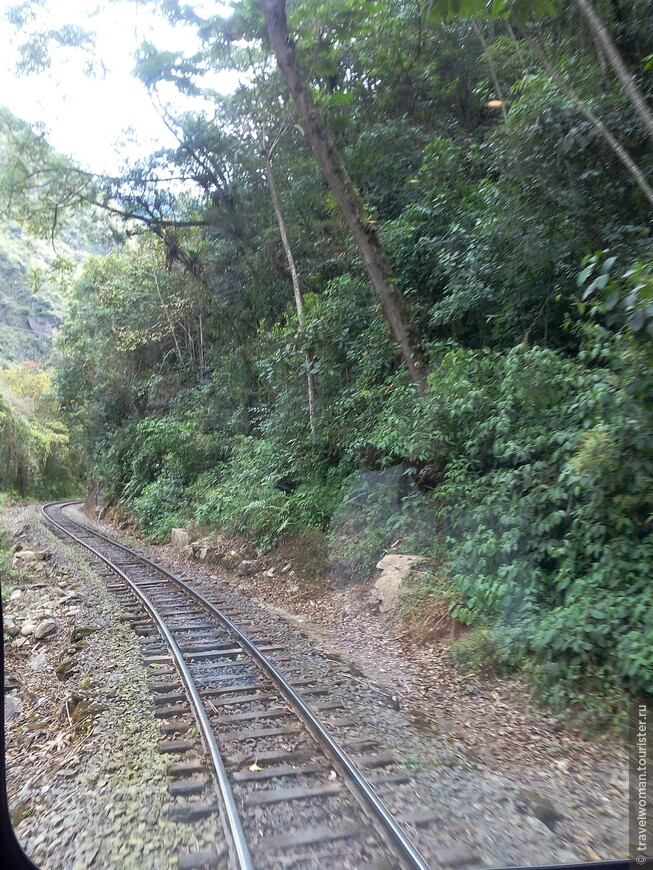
<point x="32" y="303"/>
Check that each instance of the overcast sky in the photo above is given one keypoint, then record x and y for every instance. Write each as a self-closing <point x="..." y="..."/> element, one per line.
<point x="86" y="117"/>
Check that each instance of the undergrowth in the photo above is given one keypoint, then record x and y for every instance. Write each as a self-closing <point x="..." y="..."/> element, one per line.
<point x="9" y="576"/>
<point x="527" y="474"/>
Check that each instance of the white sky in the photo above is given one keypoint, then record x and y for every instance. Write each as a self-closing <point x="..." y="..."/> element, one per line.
<point x="85" y="117"/>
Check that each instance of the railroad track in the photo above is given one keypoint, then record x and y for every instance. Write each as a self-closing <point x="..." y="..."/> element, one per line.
<point x="247" y="743"/>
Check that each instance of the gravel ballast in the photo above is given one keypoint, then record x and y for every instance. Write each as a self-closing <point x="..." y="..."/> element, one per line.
<point x="86" y="782"/>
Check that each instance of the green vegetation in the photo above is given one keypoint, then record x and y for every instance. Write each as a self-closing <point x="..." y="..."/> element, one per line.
<point x="6" y="570"/>
<point x="487" y="403"/>
<point x="33" y="280"/>
<point x="36" y="459"/>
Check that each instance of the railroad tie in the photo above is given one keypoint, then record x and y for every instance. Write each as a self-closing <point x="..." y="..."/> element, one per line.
<point x="308" y="837"/>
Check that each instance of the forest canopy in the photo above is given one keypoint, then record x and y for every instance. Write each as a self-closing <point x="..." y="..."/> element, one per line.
<point x="414" y="238"/>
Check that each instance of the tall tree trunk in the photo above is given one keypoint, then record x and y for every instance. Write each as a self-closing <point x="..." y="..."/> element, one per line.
<point x="201" y="340"/>
<point x="616" y="61"/>
<point x="299" y="302"/>
<point x="376" y="263"/>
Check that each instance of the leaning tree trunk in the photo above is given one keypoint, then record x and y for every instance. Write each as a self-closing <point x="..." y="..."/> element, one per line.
<point x="618" y="149"/>
<point x="376" y="263"/>
<point x="299" y="302"/>
<point x="616" y="61"/>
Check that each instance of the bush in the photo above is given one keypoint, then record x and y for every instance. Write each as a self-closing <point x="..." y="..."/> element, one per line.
<point x="546" y="498"/>
<point x="379" y="510"/>
<point x="266" y="491"/>
<point x="160" y="506"/>
<point x="476" y="653"/>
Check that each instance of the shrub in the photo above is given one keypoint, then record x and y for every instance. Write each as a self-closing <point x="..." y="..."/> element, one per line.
<point x="379" y="510"/>
<point x="546" y="498"/>
<point x="267" y="491"/>
<point x="475" y="653"/>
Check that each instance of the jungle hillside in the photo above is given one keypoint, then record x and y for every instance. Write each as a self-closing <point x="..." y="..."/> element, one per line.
<point x="394" y="289"/>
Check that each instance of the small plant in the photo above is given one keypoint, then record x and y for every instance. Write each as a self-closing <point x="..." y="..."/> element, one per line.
<point x="413" y="763"/>
<point x="475" y="653"/>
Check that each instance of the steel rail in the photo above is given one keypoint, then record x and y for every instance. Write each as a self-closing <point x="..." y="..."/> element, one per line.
<point x="240" y="850"/>
<point x="361" y="788"/>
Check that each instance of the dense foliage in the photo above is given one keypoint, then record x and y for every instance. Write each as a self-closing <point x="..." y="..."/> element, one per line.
<point x="36" y="458"/>
<point x="518" y="238"/>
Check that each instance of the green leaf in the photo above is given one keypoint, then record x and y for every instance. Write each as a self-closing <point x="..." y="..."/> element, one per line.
<point x="636" y="320"/>
<point x="611" y="301"/>
<point x="584" y="275"/>
<point x="601" y="282"/>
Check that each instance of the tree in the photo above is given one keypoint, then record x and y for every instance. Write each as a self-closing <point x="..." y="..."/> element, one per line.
<point x="616" y="61"/>
<point x="38" y="186"/>
<point x="376" y="263"/>
<point x="520" y="10"/>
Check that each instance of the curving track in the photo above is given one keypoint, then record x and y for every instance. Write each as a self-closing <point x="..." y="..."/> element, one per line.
<point x="287" y="793"/>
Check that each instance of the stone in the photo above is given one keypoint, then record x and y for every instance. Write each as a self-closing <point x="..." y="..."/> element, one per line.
<point x="11" y="682"/>
<point x="68" y="596"/>
<point x="457" y="856"/>
<point x="25" y="556"/>
<point x="10" y="628"/>
<point x="374" y="600"/>
<point x="42" y="555"/>
<point x="15" y="595"/>
<point x="202" y="553"/>
<point x="286" y="568"/>
<point x="13" y="707"/>
<point x="27" y="629"/>
<point x="81" y="631"/>
<point x="394" y="570"/>
<point x="179" y="538"/>
<point x="248" y="567"/>
<point x="45" y="629"/>
<point x="39" y="661"/>
<point x="66" y="667"/>
<point x="269" y="572"/>
<point x="540" y="807"/>
<point x="231" y="558"/>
